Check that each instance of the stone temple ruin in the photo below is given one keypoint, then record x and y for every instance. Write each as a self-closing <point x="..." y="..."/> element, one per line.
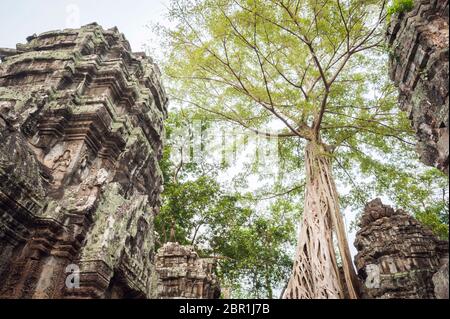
<point x="81" y="131"/>
<point x="419" y="56"/>
<point x="182" y="274"/>
<point x="81" y="125"/>
<point x="398" y="257"/>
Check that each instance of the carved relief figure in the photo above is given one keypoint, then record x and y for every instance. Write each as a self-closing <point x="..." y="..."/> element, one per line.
<point x="60" y="166"/>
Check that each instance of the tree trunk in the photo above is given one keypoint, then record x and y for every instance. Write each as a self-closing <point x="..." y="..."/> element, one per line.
<point x="316" y="274"/>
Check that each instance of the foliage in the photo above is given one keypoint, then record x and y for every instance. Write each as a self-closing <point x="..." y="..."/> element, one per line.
<point x="299" y="71"/>
<point x="251" y="248"/>
<point x="297" y="68"/>
<point x="257" y="261"/>
<point x="399" y="6"/>
<point x="436" y="216"/>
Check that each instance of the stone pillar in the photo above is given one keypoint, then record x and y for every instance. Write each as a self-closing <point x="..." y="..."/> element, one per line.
<point x="397" y="256"/>
<point x="182" y="274"/>
<point x="81" y="130"/>
<point x="419" y="65"/>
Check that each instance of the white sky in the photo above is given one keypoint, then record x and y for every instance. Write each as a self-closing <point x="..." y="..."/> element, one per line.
<point x="22" y="18"/>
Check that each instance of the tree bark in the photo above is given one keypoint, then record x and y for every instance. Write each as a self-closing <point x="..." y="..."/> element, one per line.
<point x="316" y="273"/>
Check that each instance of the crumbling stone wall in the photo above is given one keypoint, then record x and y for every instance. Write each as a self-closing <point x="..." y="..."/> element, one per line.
<point x="182" y="274"/>
<point x="398" y="257"/>
<point x="419" y="66"/>
<point x="81" y="129"/>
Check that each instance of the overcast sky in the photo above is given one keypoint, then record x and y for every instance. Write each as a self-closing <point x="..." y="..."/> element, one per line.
<point x="22" y="18"/>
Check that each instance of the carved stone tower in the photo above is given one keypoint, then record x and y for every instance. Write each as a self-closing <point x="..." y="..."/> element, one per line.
<point x="81" y="131"/>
